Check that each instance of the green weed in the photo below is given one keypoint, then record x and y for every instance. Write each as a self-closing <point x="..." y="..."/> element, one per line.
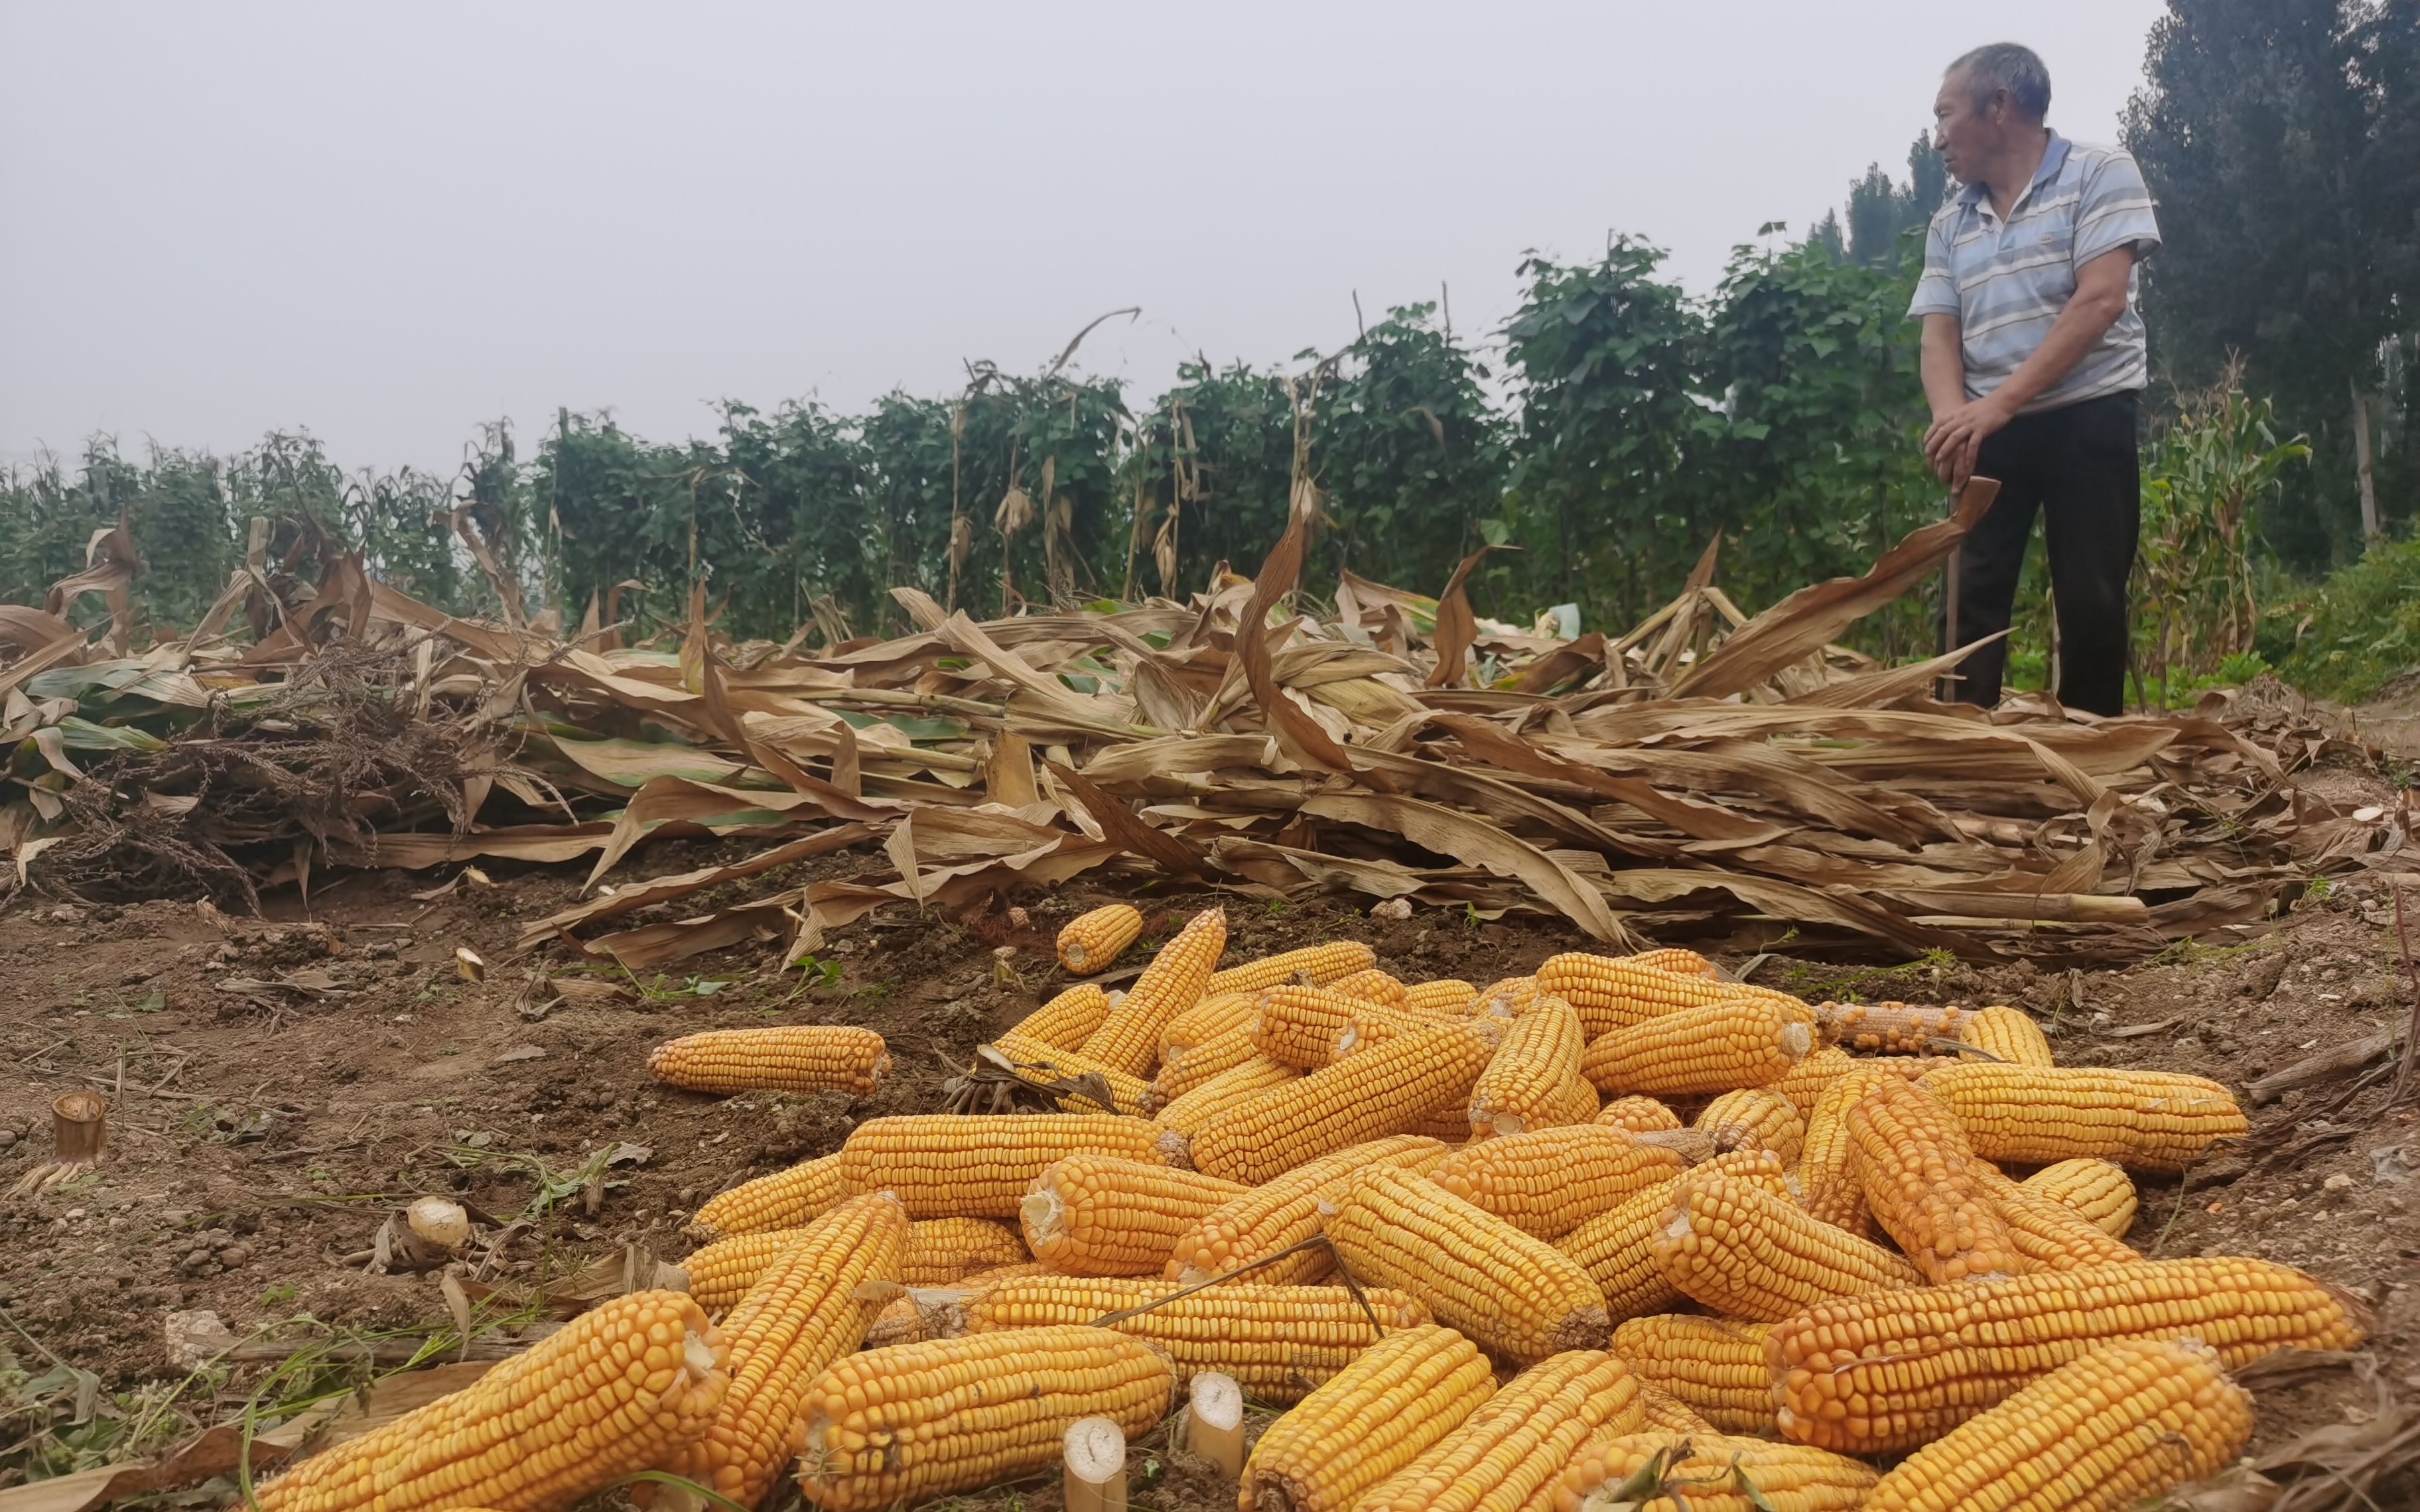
<point x="60" y="1420"/>
<point x="2360" y="629"/>
<point x="1852" y="985"/>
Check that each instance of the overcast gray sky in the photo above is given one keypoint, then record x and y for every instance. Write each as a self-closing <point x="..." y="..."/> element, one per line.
<point x="390" y="224"/>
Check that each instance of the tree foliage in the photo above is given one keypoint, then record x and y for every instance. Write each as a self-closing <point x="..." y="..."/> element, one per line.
<point x="1780" y="415"/>
<point x="1882" y="213"/>
<point x="2282" y="138"/>
<point x="1633" y="424"/>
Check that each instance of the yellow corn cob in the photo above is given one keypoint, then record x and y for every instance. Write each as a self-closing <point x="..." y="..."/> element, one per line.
<point x="1909" y="1067"/>
<point x="943" y="1250"/>
<point x="1372" y="1094"/>
<point x="1714" y="1365"/>
<point x="1732" y="1042"/>
<point x="1638" y="1113"/>
<point x="1286" y="1211"/>
<point x="1923" y="1186"/>
<point x="1549" y="1182"/>
<point x="1446" y="995"/>
<point x="720" y="1274"/>
<point x="1616" y="1247"/>
<point x="2049" y="1236"/>
<point x="2146" y="1121"/>
<point x="2099" y="1433"/>
<point x="2008" y="1033"/>
<point x="1451" y="1128"/>
<point x="1184" y="1114"/>
<point x="2097" y="1189"/>
<point x="1528" y="1082"/>
<point x="1041" y="1064"/>
<point x="1895" y="1029"/>
<point x="1610" y="994"/>
<point x="1516" y="1296"/>
<point x="1375" y="1023"/>
<point x="980" y="1166"/>
<point x="1090" y="942"/>
<point x="806" y="1311"/>
<point x="1660" y="1413"/>
<point x="622" y="1387"/>
<point x="1318" y="964"/>
<point x="2053" y="1237"/>
<point x="1207" y="1020"/>
<point x="1882" y="1373"/>
<point x="1277" y="1341"/>
<point x="1678" y="961"/>
<point x="896" y="1426"/>
<point x="1100" y="1216"/>
<point x="1184" y="1070"/>
<point x="1369" y="1420"/>
<point x="1829" y="1185"/>
<point x="1508" y="997"/>
<point x="1704" y="1473"/>
<point x="1579" y="1105"/>
<point x="1372" y="985"/>
<point x="787" y="1058"/>
<point x="1299" y="1025"/>
<point x="1067" y="1020"/>
<point x="1518" y="1442"/>
<point x="1758" y="1117"/>
<point x="1805" y="1082"/>
<point x="1128" y="1039"/>
<point x="940" y="1251"/>
<point x="784" y="1199"/>
<point x="1748" y="1252"/>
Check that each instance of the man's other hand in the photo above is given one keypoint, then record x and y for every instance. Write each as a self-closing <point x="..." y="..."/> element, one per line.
<point x="1955" y="440"/>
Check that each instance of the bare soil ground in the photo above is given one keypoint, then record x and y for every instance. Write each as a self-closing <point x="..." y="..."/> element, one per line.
<point x="261" y="1133"/>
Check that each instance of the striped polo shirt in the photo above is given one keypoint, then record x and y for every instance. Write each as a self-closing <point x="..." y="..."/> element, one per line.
<point x="2006" y="281"/>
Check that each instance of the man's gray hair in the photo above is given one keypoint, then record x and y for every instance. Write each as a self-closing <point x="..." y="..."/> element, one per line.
<point x="2007" y="66"/>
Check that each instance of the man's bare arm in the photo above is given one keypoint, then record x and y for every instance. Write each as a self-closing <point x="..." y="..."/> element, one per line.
<point x="1942" y="363"/>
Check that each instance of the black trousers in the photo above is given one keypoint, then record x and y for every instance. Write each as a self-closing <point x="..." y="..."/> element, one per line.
<point x="2078" y="467"/>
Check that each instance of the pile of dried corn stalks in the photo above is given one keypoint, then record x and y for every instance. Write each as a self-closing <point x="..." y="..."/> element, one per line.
<point x="1699" y="772"/>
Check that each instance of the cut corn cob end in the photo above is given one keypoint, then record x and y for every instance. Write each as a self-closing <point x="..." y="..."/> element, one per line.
<point x="1091" y="942"/>
<point x="640" y="1376"/>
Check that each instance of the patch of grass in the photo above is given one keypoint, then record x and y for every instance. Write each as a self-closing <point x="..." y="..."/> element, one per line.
<point x="59" y="1421"/>
<point x="2358" y="631"/>
<point x="1851" y="986"/>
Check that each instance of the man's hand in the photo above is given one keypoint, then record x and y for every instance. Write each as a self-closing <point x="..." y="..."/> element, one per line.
<point x="1956" y="440"/>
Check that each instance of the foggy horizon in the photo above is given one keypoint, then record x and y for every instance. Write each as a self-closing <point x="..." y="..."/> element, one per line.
<point x="388" y="230"/>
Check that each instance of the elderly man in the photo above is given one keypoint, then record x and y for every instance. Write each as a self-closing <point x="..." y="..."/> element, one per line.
<point x="2033" y="358"/>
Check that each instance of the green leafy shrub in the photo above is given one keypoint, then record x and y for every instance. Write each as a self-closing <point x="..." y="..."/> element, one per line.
<point x="2361" y="629"/>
